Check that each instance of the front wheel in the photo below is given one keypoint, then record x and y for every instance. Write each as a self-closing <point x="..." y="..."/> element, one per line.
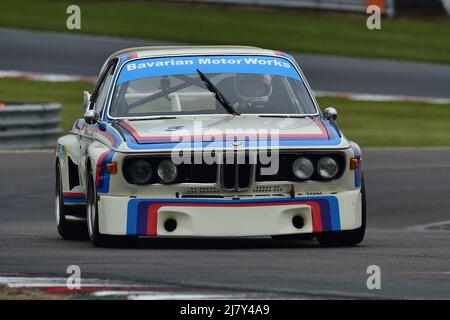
<point x="67" y="229"/>
<point x="349" y="237"/>
<point x="98" y="239"/>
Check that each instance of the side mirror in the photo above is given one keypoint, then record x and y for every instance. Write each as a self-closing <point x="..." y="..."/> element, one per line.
<point x="89" y="117"/>
<point x="86" y="100"/>
<point x="330" y="113"/>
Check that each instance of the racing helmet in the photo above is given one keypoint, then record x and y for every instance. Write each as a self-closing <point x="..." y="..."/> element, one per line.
<point x="253" y="88"/>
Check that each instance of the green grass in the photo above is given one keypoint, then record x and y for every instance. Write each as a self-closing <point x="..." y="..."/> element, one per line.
<point x="324" y="33"/>
<point x="7" y="293"/>
<point x="392" y="124"/>
<point x="371" y="124"/>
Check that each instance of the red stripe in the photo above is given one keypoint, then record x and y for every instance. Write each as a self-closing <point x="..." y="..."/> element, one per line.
<point x="73" y="194"/>
<point x="173" y="138"/>
<point x="107" y="136"/>
<point x="99" y="167"/>
<point x="152" y="212"/>
<point x="102" y="133"/>
<point x="316" y="216"/>
<point x="132" y="55"/>
<point x="93" y="289"/>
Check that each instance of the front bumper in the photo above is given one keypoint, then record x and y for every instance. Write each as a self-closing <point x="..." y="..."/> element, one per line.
<point x="254" y="216"/>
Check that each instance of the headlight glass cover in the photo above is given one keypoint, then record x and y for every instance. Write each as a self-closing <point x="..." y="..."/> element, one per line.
<point x="327" y="168"/>
<point x="303" y="168"/>
<point x="167" y="171"/>
<point x="140" y="171"/>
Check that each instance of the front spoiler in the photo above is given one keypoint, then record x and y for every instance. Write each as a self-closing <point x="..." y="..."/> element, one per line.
<point x="123" y="215"/>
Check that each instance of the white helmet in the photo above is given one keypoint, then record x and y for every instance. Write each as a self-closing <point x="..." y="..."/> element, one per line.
<point x="253" y="88"/>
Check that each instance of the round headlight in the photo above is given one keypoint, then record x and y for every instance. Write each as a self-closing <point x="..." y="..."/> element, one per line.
<point x="167" y="171"/>
<point x="303" y="168"/>
<point x="327" y="168"/>
<point x="140" y="171"/>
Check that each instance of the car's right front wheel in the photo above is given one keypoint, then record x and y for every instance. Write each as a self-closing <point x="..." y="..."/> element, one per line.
<point x="67" y="229"/>
<point x="92" y="219"/>
<point x="348" y="237"/>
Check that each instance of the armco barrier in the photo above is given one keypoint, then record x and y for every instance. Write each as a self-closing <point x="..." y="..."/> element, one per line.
<point x="387" y="6"/>
<point x="29" y="125"/>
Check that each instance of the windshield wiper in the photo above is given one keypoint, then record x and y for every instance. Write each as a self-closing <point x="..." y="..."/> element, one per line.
<point x="223" y="101"/>
<point x="268" y="115"/>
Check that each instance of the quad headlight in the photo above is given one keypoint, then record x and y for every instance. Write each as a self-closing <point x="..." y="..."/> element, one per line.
<point x="327" y="168"/>
<point x="303" y="168"/>
<point x="167" y="171"/>
<point x="140" y="171"/>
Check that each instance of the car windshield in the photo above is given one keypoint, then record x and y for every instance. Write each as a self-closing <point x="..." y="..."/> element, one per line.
<point x="210" y="85"/>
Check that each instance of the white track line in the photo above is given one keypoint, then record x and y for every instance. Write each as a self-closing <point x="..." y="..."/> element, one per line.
<point x="381" y="97"/>
<point x="27" y="151"/>
<point x="52" y="77"/>
<point x="48" y="282"/>
<point x="434" y="225"/>
<point x="187" y="295"/>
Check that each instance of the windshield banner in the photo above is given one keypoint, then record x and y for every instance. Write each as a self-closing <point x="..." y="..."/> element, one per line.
<point x="154" y="67"/>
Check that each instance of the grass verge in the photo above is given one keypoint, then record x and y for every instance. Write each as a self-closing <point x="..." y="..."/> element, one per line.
<point x="325" y="33"/>
<point x="371" y="124"/>
<point x="7" y="293"/>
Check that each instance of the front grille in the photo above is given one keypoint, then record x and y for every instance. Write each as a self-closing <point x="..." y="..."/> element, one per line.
<point x="198" y="173"/>
<point x="237" y="172"/>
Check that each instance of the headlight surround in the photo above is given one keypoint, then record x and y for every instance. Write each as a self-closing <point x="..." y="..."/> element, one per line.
<point x="140" y="171"/>
<point x="327" y="168"/>
<point x="167" y="171"/>
<point x="303" y="168"/>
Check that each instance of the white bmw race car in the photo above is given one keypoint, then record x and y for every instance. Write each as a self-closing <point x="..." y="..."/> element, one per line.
<point x="207" y="142"/>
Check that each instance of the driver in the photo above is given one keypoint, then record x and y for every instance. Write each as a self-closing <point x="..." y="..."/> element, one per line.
<point x="253" y="89"/>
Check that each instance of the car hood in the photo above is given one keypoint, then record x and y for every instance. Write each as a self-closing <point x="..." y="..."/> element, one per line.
<point x="167" y="133"/>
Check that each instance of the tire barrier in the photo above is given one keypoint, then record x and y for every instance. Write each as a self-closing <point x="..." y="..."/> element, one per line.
<point x="29" y="126"/>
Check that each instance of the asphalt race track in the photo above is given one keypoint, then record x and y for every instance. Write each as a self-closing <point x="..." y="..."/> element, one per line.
<point x="408" y="193"/>
<point x="67" y="53"/>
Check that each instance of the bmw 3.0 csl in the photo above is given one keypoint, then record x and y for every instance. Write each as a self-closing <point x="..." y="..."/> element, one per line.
<point x="207" y="142"/>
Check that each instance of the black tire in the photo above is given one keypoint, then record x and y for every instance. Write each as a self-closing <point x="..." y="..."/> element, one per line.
<point x="293" y="237"/>
<point x="349" y="237"/>
<point x="67" y="229"/>
<point x="98" y="239"/>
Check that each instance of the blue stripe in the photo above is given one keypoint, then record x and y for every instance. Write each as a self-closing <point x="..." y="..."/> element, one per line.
<point x="334" y="214"/>
<point x="156" y="67"/>
<point x="357" y="179"/>
<point x="325" y="214"/>
<point x="104" y="175"/>
<point x="132" y="218"/>
<point x="357" y="155"/>
<point x="241" y="201"/>
<point x="74" y="200"/>
<point x="142" y="215"/>
<point x="117" y="138"/>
